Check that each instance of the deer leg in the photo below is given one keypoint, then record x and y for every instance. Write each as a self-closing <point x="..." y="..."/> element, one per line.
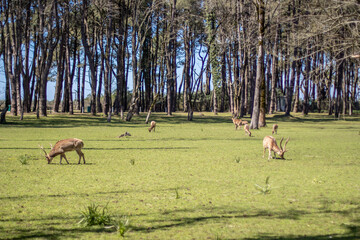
<point x="81" y="154"/>
<point x="269" y="154"/>
<point x="264" y="152"/>
<point x="63" y="155"/>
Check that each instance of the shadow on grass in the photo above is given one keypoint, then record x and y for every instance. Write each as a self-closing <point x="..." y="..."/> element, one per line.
<point x="314" y="118"/>
<point x="116" y="148"/>
<point x="55" y="233"/>
<point x="52" y="229"/>
<point x="23" y="197"/>
<point x="221" y="214"/>
<point x="70" y="164"/>
<point x="87" y="120"/>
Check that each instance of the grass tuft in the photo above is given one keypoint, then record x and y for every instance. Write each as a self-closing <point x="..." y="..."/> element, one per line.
<point x="24" y="159"/>
<point x="266" y="189"/>
<point x="122" y="225"/>
<point x="177" y="195"/>
<point x="94" y="215"/>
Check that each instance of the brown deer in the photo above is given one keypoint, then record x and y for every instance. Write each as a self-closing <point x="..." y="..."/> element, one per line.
<point x="237" y="122"/>
<point x="63" y="146"/>
<point x="247" y="130"/>
<point x="244" y="122"/>
<point x="274" y="129"/>
<point x="269" y="142"/>
<point x="152" y="126"/>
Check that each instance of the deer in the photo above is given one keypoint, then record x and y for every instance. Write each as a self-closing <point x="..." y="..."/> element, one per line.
<point x="244" y="122"/>
<point x="152" y="126"/>
<point x="269" y="142"/>
<point x="63" y="146"/>
<point x="247" y="130"/>
<point x="237" y="122"/>
<point x="274" y="129"/>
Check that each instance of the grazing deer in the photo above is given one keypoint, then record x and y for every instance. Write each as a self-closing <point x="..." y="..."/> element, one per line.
<point x="269" y="142"/>
<point x="274" y="129"/>
<point x="237" y="122"/>
<point x="152" y="126"/>
<point x="63" y="146"/>
<point x="247" y="130"/>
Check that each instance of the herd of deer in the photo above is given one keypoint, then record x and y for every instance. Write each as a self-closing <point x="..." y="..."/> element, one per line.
<point x="269" y="142"/>
<point x="74" y="144"/>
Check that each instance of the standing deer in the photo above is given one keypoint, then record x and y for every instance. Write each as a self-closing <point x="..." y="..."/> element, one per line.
<point x="269" y="142"/>
<point x="247" y="130"/>
<point x="274" y="129"/>
<point x="63" y="146"/>
<point x="152" y="126"/>
<point x="237" y="122"/>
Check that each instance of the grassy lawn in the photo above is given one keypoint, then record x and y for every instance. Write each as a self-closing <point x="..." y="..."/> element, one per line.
<point x="187" y="180"/>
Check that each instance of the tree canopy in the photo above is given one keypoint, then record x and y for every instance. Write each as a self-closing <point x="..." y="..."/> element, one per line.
<point x="248" y="57"/>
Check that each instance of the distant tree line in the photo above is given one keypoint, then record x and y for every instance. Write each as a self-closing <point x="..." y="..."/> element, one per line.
<point x="243" y="56"/>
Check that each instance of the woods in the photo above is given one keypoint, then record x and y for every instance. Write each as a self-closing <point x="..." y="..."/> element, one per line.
<point x="247" y="57"/>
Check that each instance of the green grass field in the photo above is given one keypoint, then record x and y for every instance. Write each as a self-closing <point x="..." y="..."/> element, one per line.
<point x="187" y="180"/>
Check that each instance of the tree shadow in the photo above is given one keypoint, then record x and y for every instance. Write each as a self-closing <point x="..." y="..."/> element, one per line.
<point x="315" y="118"/>
<point x="54" y="230"/>
<point x="86" y="119"/>
<point x="219" y="214"/>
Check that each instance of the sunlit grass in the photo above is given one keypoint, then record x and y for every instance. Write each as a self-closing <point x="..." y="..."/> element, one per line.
<point x="186" y="180"/>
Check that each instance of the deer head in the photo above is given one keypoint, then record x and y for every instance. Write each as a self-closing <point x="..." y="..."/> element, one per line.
<point x="48" y="158"/>
<point x="283" y="150"/>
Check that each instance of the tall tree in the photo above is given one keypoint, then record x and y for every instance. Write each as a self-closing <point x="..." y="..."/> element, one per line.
<point x="89" y="54"/>
<point x="258" y="113"/>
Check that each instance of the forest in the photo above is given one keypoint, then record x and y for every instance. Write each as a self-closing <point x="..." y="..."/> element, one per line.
<point x="247" y="57"/>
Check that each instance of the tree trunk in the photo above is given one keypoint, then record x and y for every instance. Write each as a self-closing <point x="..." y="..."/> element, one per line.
<point x="186" y="67"/>
<point x="256" y="121"/>
<point x="305" y="107"/>
<point x="328" y="87"/>
<point x="60" y="77"/>
<point x="223" y="82"/>
<point x="339" y="80"/>
<point x="290" y="90"/>
<point x="89" y="55"/>
<point x="82" y="95"/>
<point x="133" y="109"/>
